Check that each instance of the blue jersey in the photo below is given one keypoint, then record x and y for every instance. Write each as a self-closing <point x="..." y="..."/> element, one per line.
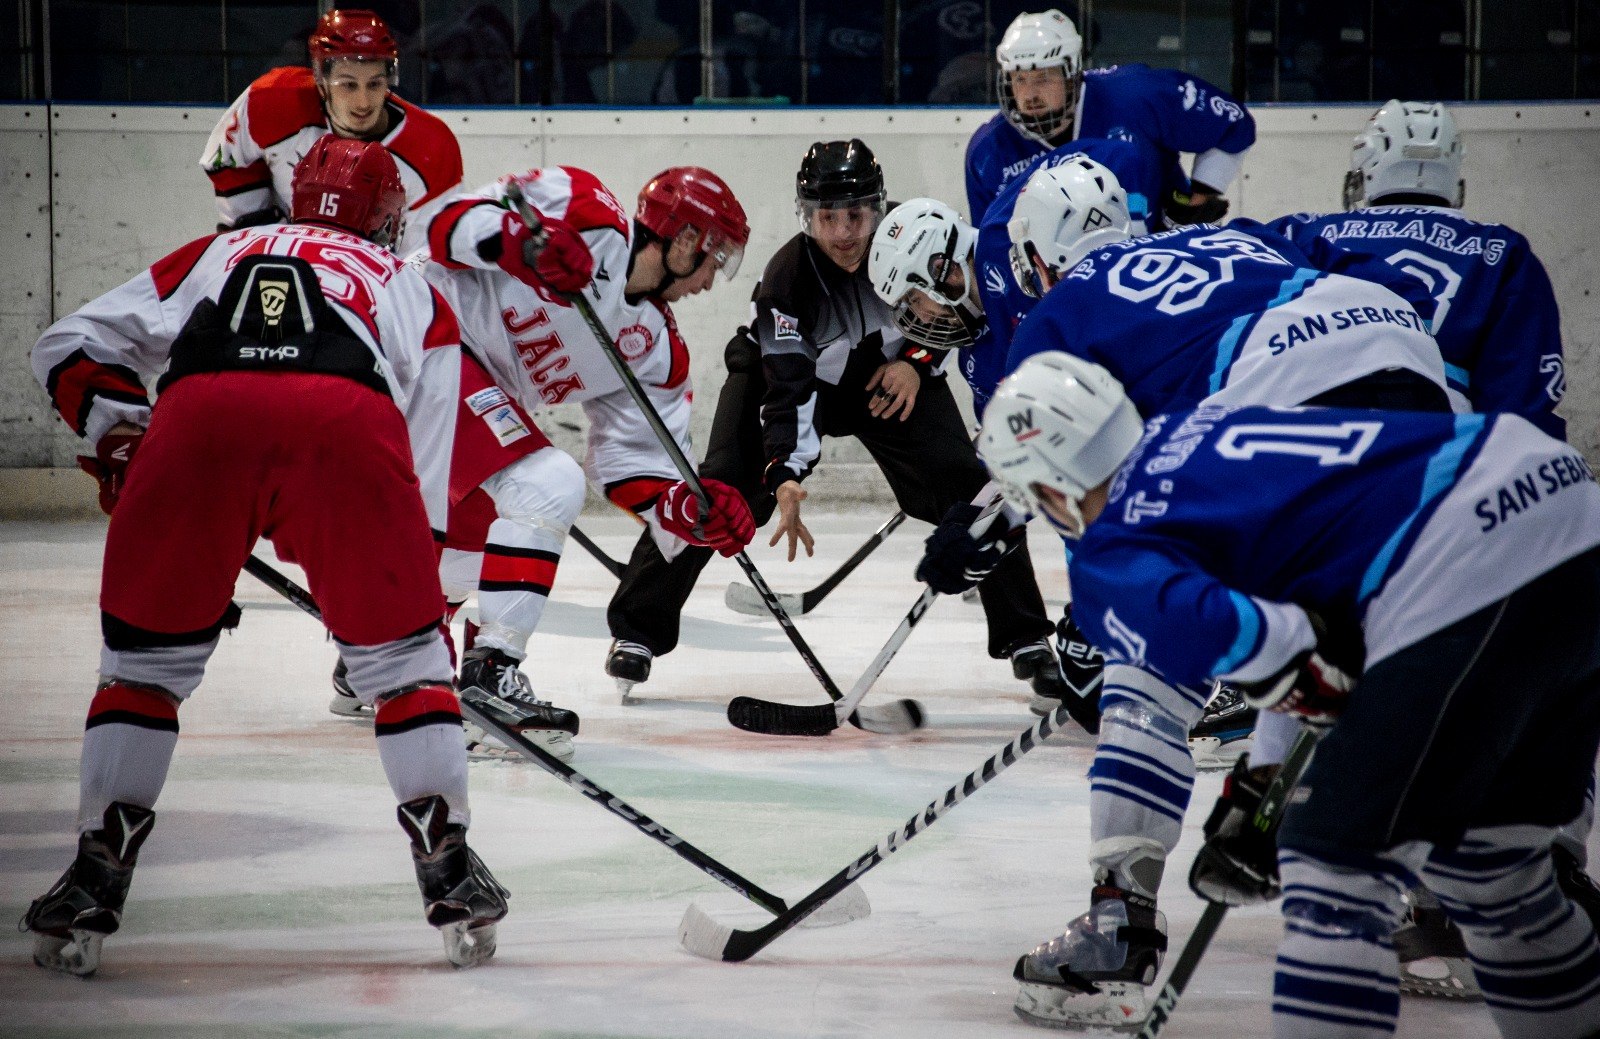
<point x="1495" y="319"/>
<point x="1137" y="169"/>
<point x="1235" y="315"/>
<point x="1225" y="525"/>
<point x="1168" y="110"/>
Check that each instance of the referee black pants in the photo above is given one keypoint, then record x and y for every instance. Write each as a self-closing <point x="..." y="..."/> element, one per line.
<point x="928" y="461"/>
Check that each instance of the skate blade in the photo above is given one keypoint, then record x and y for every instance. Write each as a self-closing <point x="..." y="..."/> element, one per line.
<point x="78" y="954"/>
<point x="1440" y="977"/>
<point x="348" y="707"/>
<point x="625" y="691"/>
<point x="1212" y="755"/>
<point x="468" y="946"/>
<point x="1118" y="1008"/>
<point x="554" y="742"/>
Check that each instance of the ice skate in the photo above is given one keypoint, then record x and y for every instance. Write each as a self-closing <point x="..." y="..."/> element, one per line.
<point x="629" y="664"/>
<point x="1433" y="955"/>
<point x="345" y="703"/>
<point x="72" y="919"/>
<point x="459" y="895"/>
<point x="1225" y="731"/>
<point x="1097" y="975"/>
<point x="507" y="694"/>
<point x="1576" y="884"/>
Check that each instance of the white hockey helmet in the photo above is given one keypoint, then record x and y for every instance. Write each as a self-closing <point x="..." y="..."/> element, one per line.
<point x="921" y="265"/>
<point x="1063" y="213"/>
<point x="1408" y="147"/>
<point x="1060" y="422"/>
<point x="1047" y="40"/>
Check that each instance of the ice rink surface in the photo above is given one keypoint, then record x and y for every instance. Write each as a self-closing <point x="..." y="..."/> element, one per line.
<point x="275" y="897"/>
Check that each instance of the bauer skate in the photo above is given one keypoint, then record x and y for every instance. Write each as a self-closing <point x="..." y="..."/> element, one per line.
<point x="629" y="663"/>
<point x="1096" y="976"/>
<point x="507" y="694"/>
<point x="72" y="919"/>
<point x="1433" y="955"/>
<point x="1224" y="732"/>
<point x="459" y="895"/>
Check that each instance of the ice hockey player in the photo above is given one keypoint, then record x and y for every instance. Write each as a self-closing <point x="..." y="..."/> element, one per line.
<point x="1497" y="322"/>
<point x="688" y="226"/>
<point x="1047" y="98"/>
<point x="284" y="356"/>
<point x="1499" y="330"/>
<point x="824" y="357"/>
<point x="1425" y="585"/>
<point x="348" y="91"/>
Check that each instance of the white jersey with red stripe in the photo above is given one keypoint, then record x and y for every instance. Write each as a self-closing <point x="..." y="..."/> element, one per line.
<point x="254" y="149"/>
<point x="100" y="363"/>
<point x="543" y="353"/>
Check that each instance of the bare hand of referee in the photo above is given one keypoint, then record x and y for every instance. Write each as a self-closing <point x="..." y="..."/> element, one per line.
<point x="790" y="494"/>
<point x="894" y="386"/>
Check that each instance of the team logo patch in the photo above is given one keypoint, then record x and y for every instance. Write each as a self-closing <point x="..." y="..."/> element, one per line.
<point x="486" y="400"/>
<point x="784" y="326"/>
<point x="506" y="425"/>
<point x="993" y="280"/>
<point x="634" y="342"/>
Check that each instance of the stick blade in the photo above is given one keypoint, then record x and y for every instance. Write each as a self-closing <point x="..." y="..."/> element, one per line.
<point x="702" y="935"/>
<point x="741" y="598"/>
<point x="892" y="719"/>
<point x="781" y="719"/>
<point x="846" y="907"/>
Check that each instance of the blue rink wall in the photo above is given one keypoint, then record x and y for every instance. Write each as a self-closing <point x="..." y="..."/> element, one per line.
<point x="90" y="194"/>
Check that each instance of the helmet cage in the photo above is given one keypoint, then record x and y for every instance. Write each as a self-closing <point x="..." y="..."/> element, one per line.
<point x="1045" y="126"/>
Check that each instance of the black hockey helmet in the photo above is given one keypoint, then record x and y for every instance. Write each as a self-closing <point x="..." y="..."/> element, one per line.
<point x="838" y="173"/>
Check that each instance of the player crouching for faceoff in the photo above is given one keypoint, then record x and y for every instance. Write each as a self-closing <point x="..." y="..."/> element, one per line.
<point x="512" y="297"/>
<point x="1388" y="576"/>
<point x="284" y="356"/>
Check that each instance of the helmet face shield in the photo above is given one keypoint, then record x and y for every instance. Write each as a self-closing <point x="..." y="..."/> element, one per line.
<point x="842" y="219"/>
<point x="1024" y="271"/>
<point x="724" y="252"/>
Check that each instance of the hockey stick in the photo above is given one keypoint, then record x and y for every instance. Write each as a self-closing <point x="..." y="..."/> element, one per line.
<point x="264" y="572"/>
<point x="782" y="719"/>
<point x="476" y="705"/>
<point x="1266" y="818"/>
<point x="741" y="598"/>
<point x="704" y="936"/>
<point x="599" y="553"/>
<point x="902" y="716"/>
<point x="853" y="907"/>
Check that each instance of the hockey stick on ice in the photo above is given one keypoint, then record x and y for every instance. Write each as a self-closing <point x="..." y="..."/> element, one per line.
<point x="902" y="716"/>
<point x="782" y="719"/>
<point x="1266" y="818"/>
<point x="599" y="553"/>
<point x="704" y="936"/>
<point x="268" y="575"/>
<point x="741" y="598"/>
<point x="853" y="907"/>
<point x="477" y="705"/>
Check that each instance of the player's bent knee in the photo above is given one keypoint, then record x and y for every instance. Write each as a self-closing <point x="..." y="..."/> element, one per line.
<point x="544" y="489"/>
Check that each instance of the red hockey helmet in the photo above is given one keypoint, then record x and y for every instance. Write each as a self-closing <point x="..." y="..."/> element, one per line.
<point x="689" y="196"/>
<point x="355" y="36"/>
<point x="350" y="184"/>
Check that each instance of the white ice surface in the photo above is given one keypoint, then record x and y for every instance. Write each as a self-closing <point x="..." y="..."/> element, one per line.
<point x="275" y="896"/>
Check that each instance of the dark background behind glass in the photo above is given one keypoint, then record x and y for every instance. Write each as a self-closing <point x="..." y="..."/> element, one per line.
<point x="813" y="52"/>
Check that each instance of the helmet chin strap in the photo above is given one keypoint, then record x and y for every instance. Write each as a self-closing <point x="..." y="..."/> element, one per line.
<point x="376" y="133"/>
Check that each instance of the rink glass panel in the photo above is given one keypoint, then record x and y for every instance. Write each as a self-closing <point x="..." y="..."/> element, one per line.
<point x="641" y="53"/>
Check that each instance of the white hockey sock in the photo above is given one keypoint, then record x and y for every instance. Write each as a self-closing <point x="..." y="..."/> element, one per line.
<point x="1534" y="953"/>
<point x="128" y="741"/>
<point x="420" y="744"/>
<point x="519" y="566"/>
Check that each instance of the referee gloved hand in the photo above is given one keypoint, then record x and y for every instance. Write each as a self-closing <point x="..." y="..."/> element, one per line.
<point x="727" y="525"/>
<point x="109" y="463"/>
<point x="561" y="262"/>
<point x="954" y="560"/>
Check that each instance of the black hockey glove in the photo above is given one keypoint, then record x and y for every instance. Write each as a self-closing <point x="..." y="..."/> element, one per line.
<point x="1308" y="686"/>
<point x="1190" y="209"/>
<point x="1081" y="663"/>
<point x="954" y="560"/>
<point x="1238" y="864"/>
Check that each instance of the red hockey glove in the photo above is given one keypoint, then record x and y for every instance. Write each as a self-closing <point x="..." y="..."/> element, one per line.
<point x="728" y="528"/>
<point x="1308" y="686"/>
<point x="109" y="464"/>
<point x="562" y="262"/>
